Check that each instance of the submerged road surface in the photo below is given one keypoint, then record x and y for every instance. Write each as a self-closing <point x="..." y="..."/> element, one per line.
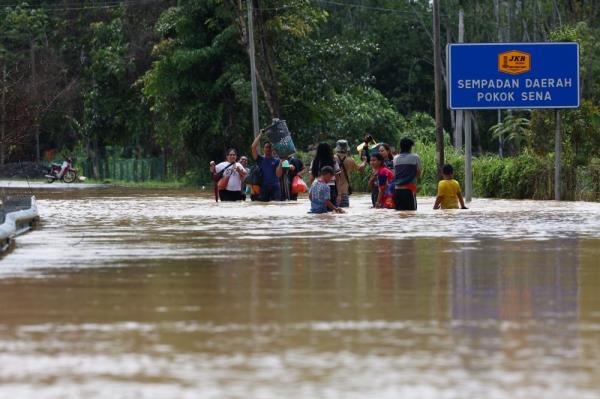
<point x="165" y="294"/>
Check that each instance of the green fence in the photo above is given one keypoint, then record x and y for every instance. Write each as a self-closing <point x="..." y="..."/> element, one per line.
<point x="127" y="169"/>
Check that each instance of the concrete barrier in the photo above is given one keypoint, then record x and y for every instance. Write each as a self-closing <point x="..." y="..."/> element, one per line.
<point x="18" y="215"/>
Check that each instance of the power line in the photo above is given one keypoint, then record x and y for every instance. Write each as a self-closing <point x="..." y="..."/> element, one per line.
<point x="349" y="5"/>
<point x="374" y="8"/>
<point x="106" y="5"/>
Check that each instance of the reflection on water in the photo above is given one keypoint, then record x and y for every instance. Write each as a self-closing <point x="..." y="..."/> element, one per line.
<point x="168" y="295"/>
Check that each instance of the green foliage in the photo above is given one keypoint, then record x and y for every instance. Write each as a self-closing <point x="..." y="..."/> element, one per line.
<point x="588" y="181"/>
<point x="589" y="48"/>
<point x="197" y="87"/>
<point x="110" y="103"/>
<point x="513" y="129"/>
<point x="523" y="177"/>
<point x="20" y="27"/>
<point x="580" y="132"/>
<point x="363" y="110"/>
<point x="420" y="127"/>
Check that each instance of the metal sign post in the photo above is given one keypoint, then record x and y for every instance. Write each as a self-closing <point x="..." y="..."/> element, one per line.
<point x="468" y="167"/>
<point x="557" y="157"/>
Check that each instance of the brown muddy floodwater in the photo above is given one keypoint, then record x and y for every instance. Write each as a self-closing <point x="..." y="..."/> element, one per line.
<point x="167" y="295"/>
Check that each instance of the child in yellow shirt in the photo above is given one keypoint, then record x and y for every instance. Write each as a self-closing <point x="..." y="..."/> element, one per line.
<point x="449" y="194"/>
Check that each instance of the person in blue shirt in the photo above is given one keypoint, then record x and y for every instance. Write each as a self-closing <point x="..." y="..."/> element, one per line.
<point x="320" y="194"/>
<point x="270" y="167"/>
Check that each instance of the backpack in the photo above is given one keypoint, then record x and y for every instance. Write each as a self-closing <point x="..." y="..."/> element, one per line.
<point x="255" y="176"/>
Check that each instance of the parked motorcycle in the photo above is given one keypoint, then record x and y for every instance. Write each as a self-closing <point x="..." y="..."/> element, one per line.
<point x="69" y="174"/>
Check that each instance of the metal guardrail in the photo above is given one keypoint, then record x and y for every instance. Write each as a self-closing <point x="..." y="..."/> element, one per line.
<point x="18" y="215"/>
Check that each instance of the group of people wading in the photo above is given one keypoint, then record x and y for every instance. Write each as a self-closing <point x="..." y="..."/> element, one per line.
<point x="392" y="180"/>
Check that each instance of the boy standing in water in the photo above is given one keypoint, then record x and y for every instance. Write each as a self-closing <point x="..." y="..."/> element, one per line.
<point x="320" y="193"/>
<point x="449" y="194"/>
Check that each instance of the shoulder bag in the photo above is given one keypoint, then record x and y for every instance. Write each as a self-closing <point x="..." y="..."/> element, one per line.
<point x="222" y="181"/>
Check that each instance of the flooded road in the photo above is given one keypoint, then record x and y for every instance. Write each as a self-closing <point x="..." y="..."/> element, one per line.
<point x="165" y="294"/>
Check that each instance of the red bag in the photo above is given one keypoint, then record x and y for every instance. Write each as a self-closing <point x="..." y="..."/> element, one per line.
<point x="298" y="185"/>
<point x="223" y="182"/>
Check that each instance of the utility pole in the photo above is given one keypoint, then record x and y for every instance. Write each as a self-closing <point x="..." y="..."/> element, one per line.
<point x="255" y="124"/>
<point x="497" y="11"/>
<point x="458" y="132"/>
<point x="437" y="67"/>
<point x="468" y="164"/>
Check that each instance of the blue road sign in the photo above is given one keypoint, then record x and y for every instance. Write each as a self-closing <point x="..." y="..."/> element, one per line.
<point x="513" y="75"/>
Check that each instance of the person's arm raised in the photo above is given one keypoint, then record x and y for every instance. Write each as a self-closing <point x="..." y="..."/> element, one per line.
<point x="255" y="144"/>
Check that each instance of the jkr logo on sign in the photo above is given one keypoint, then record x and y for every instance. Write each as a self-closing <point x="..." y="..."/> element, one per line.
<point x="514" y="62"/>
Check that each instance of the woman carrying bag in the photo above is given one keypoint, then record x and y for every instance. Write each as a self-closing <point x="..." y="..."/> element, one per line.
<point x="228" y="176"/>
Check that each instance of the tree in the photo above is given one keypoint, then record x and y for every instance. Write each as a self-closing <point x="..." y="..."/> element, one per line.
<point x="198" y="87"/>
<point x="22" y="31"/>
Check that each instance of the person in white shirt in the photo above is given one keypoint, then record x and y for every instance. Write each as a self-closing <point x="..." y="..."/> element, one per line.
<point x="233" y="171"/>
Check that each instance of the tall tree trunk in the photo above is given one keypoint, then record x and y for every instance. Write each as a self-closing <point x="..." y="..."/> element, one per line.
<point x="444" y="69"/>
<point x="556" y="10"/>
<point x="34" y="100"/>
<point x="95" y="163"/>
<point x="526" y="36"/>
